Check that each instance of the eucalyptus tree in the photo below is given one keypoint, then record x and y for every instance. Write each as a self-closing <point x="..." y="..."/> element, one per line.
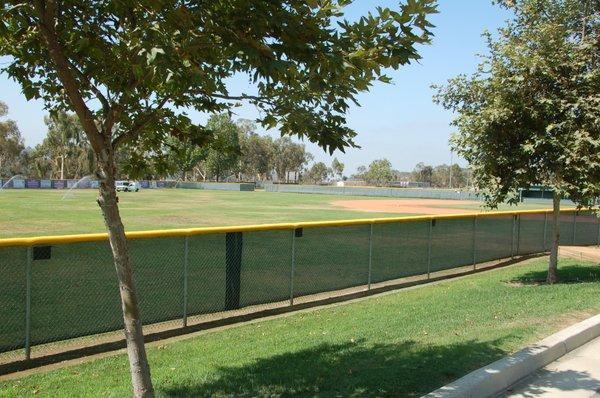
<point x="379" y="173"/>
<point x="11" y="144"/>
<point x="223" y="154"/>
<point x="317" y="173"/>
<point x="337" y="168"/>
<point x="289" y="157"/>
<point x="530" y="114"/>
<point x="130" y="69"/>
<point x="67" y="145"/>
<point x="257" y="154"/>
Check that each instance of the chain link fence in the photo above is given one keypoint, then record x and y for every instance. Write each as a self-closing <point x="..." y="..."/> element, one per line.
<point x="58" y="291"/>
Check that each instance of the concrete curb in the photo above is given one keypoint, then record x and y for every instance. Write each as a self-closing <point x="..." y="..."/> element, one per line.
<point x="496" y="377"/>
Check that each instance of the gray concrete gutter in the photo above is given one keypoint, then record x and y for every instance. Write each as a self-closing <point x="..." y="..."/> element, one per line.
<point x="494" y="379"/>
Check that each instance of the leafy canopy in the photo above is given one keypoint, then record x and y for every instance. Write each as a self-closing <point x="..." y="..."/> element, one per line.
<point x="138" y="64"/>
<point x="531" y="113"/>
<point x="317" y="174"/>
<point x="11" y="144"/>
<point x="379" y="173"/>
<point x="222" y="158"/>
<point x="337" y="167"/>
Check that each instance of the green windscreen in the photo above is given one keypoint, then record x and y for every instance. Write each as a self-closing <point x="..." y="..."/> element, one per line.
<point x="399" y="250"/>
<point x="493" y="238"/>
<point x="74" y="292"/>
<point x="331" y="258"/>
<point x="452" y="243"/>
<point x="13" y="262"/>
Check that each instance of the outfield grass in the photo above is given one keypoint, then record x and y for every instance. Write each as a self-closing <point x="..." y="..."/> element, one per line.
<point x="45" y="212"/>
<point x="401" y="344"/>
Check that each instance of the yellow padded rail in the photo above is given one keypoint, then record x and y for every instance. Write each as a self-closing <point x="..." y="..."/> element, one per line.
<point x="64" y="239"/>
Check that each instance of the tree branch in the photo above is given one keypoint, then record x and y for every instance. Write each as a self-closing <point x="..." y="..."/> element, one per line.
<point x="139" y="125"/>
<point x="45" y="10"/>
<point x="108" y="110"/>
<point x="241" y="97"/>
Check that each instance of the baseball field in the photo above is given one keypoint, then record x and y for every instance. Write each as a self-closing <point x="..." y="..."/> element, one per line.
<point x="39" y="212"/>
<point x="358" y="347"/>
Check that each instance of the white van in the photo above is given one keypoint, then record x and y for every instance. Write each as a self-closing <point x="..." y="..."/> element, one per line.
<point x="127" y="186"/>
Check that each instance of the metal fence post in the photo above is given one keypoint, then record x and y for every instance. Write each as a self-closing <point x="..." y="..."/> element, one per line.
<point x="429" y="249"/>
<point x="574" y="226"/>
<point x="185" y="278"/>
<point x="474" y="242"/>
<point x="28" y="304"/>
<point x="370" y="257"/>
<point x="293" y="266"/>
<point x="545" y="231"/>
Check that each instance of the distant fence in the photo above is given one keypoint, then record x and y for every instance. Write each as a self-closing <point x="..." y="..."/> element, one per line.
<point x="217" y="186"/>
<point x="144" y="184"/>
<point x="422" y="193"/>
<point x="17" y="183"/>
<point x="57" y="288"/>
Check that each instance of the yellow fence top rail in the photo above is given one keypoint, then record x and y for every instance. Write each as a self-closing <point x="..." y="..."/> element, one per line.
<point x="162" y="233"/>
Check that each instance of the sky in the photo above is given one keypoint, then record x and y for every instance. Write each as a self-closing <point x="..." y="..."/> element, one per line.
<point x="397" y="121"/>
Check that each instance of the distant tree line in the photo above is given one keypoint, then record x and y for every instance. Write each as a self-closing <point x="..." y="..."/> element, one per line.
<point x="442" y="176"/>
<point x="380" y="173"/>
<point x="236" y="152"/>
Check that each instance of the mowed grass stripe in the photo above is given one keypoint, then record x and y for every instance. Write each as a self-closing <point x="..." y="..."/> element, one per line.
<point x="401" y="344"/>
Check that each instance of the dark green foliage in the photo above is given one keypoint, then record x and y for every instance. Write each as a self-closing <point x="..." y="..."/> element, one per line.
<point x="530" y="115"/>
<point x="140" y="62"/>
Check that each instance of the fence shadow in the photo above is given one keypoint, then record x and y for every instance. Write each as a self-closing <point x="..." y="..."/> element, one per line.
<point x="353" y="369"/>
<point x="566" y="275"/>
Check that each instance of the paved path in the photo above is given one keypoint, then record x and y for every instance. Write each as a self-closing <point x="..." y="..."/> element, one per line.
<point x="575" y="375"/>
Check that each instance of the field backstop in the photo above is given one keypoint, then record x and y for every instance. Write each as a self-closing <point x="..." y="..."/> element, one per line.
<point x="61" y="287"/>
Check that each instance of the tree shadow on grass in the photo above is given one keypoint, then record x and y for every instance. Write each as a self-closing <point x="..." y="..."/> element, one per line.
<point x="353" y="369"/>
<point x="566" y="275"/>
<point x="561" y="380"/>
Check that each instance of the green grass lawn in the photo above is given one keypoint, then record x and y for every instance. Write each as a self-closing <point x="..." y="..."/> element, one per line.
<point x="45" y="212"/>
<point x="402" y="344"/>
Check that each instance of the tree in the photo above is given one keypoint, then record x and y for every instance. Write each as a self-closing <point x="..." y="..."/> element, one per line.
<point x="40" y="164"/>
<point x="224" y="151"/>
<point x="531" y="112"/>
<point x="257" y="152"/>
<point x="130" y="69"/>
<point x="289" y="157"/>
<point x="379" y="173"/>
<point x="337" y="168"/>
<point x="67" y="147"/>
<point x="422" y="173"/>
<point x="440" y="176"/>
<point x="184" y="155"/>
<point x="360" y="172"/>
<point x="11" y="144"/>
<point x="318" y="173"/>
<point x="458" y="177"/>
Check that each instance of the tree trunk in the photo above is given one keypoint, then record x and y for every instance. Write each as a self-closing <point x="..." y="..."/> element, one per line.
<point x="140" y="370"/>
<point x="553" y="263"/>
<point x="62" y="167"/>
